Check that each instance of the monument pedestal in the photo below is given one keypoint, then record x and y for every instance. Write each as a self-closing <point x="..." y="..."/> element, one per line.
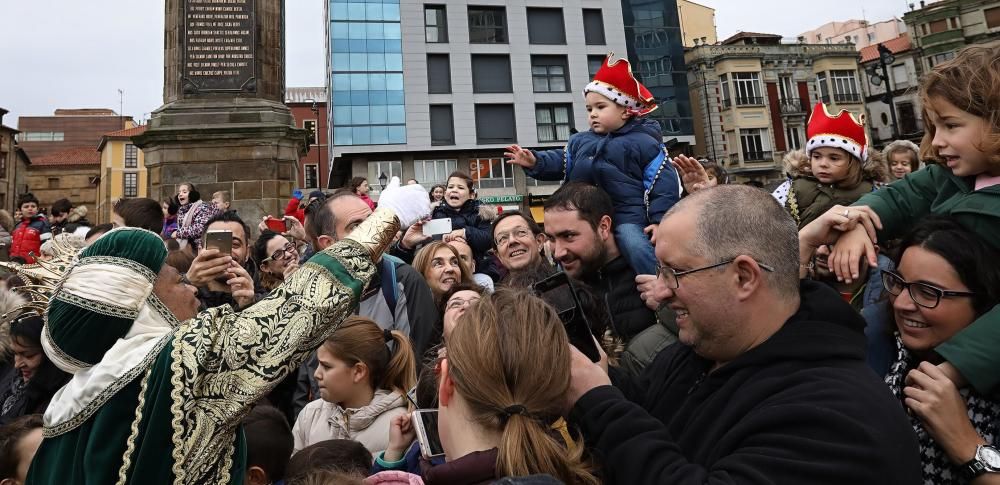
<point x="224" y="125"/>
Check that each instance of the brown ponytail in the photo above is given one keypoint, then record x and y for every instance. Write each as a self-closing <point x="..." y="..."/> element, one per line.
<point x="509" y="359"/>
<point x="361" y="340"/>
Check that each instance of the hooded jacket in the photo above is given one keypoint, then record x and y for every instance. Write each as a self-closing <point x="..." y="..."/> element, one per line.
<point x="368" y="425"/>
<point x="27" y="237"/>
<point x="630" y="164"/>
<point x="802" y="407"/>
<point x="75" y="220"/>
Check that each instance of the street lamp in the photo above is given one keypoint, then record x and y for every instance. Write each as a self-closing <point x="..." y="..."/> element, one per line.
<point x="382" y="180"/>
<point x="879" y="74"/>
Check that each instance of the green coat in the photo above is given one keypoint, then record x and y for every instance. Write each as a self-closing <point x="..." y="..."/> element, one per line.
<point x="178" y="422"/>
<point x="935" y="190"/>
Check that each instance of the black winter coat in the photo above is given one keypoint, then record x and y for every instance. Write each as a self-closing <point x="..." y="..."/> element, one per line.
<point x="803" y="407"/>
<point x="615" y="283"/>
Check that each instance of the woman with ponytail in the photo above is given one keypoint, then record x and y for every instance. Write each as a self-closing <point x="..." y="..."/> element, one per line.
<point x="363" y="374"/>
<point x="495" y="408"/>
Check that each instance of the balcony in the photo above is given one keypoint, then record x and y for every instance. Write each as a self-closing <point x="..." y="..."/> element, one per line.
<point x="848" y="98"/>
<point x="758" y="156"/>
<point x="792" y="106"/>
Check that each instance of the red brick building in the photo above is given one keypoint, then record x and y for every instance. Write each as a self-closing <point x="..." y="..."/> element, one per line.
<point x="308" y="106"/>
<point x="67" y="128"/>
<point x="73" y="174"/>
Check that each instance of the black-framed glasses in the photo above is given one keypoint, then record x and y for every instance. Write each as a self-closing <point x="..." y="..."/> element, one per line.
<point x="673" y="277"/>
<point x="280" y="253"/>
<point x="927" y="296"/>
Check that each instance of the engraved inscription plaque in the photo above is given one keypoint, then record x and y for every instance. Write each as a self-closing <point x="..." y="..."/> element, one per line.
<point x="219" y="40"/>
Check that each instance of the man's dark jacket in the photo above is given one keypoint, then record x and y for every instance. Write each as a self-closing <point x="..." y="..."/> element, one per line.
<point x="802" y="407"/>
<point x="615" y="283"/>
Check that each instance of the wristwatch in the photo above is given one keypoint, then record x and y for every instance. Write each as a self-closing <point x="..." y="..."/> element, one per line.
<point x="987" y="460"/>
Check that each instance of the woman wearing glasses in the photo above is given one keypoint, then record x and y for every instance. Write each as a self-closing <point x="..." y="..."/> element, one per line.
<point x="277" y="256"/>
<point x="945" y="278"/>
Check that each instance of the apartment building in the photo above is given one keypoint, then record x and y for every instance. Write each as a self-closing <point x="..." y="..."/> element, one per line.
<point x="940" y="29"/>
<point x="752" y="95"/>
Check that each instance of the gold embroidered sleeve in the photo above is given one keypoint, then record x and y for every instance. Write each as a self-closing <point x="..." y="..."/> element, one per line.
<point x="223" y="362"/>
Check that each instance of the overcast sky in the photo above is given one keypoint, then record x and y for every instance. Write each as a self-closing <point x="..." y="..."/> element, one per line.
<point x="78" y="54"/>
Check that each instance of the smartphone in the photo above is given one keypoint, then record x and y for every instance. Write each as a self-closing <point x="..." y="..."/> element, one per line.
<point x="425" y="423"/>
<point x="557" y="290"/>
<point x="434" y="227"/>
<point x="219" y="239"/>
<point x="276" y="225"/>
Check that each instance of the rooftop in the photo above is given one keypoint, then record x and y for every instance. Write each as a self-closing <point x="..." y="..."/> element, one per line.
<point x="72" y="156"/>
<point x="739" y="36"/>
<point x="85" y="112"/>
<point x="305" y="95"/>
<point x="128" y="132"/>
<point x="897" y="45"/>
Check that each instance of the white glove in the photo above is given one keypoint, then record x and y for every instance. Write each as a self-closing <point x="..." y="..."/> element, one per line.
<point x="409" y="202"/>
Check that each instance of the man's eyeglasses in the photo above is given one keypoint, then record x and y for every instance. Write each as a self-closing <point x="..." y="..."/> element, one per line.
<point x="673" y="277"/>
<point x="925" y="295"/>
<point x="504" y="237"/>
<point x="280" y="254"/>
<point x="456" y="303"/>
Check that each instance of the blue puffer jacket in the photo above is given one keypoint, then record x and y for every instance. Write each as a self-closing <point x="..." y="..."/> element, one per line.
<point x="629" y="164"/>
<point x="478" y="232"/>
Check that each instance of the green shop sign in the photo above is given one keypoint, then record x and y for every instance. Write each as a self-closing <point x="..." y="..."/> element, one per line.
<point x="501" y="199"/>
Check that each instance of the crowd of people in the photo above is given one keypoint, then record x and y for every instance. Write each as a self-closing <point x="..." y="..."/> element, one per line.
<point x="840" y="329"/>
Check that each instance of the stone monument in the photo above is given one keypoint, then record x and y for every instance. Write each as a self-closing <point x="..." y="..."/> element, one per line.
<point x="223" y="124"/>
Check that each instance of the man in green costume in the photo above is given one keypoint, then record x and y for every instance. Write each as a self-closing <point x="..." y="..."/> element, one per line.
<point x="158" y="390"/>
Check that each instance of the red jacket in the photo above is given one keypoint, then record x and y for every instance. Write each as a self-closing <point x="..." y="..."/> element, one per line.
<point x="28" y="236"/>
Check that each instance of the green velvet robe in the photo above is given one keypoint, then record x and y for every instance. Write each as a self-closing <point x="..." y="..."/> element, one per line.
<point x="178" y="422"/>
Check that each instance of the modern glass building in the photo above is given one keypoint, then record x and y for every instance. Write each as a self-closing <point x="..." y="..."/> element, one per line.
<point x="656" y="52"/>
<point x="366" y="56"/>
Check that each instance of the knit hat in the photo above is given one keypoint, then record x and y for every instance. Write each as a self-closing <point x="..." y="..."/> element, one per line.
<point x="614" y="80"/>
<point x="842" y="131"/>
<point x="100" y="297"/>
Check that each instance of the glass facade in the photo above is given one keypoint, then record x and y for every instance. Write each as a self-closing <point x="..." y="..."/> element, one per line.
<point x="656" y="52"/>
<point x="367" y="73"/>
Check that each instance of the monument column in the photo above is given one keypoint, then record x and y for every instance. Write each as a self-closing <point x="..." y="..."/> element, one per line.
<point x="223" y="124"/>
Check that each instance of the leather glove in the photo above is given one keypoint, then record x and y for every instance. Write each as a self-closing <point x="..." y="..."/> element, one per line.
<point x="410" y="203"/>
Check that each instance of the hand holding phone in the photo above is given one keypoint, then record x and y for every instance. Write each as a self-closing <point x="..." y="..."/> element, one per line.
<point x="219" y="239"/>
<point x="435" y="227"/>
<point x="276" y="225"/>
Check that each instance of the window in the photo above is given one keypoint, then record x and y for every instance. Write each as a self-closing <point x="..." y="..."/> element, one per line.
<point x="487" y="25"/>
<point x="938" y="26"/>
<point x="753" y="144"/>
<point x="310" y="127"/>
<point x="793" y="135"/>
<point x="871" y="37"/>
<point x="939" y="58"/>
<point x="594" y="64"/>
<point x="491" y="173"/>
<point x="435" y="23"/>
<point x="495" y="124"/>
<point x="491" y="73"/>
<point x="390" y="169"/>
<point x="430" y="172"/>
<point x="823" y="87"/>
<point x="907" y="118"/>
<point x="747" y="88"/>
<point x="726" y="100"/>
<point x="900" y="76"/>
<point x="131" y="185"/>
<point x="311" y="176"/>
<point x="545" y="26"/>
<point x="131" y="156"/>
<point x="548" y="74"/>
<point x="53" y="182"/>
<point x="554" y="121"/>
<point x="593" y="26"/>
<point x="786" y="88"/>
<point x="442" y="126"/>
<point x="438" y="74"/>
<point x="42" y="136"/>
<point x="992" y="17"/>
<point x="845" y="87"/>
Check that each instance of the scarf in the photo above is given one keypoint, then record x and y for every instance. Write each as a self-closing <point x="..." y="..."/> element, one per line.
<point x="984" y="414"/>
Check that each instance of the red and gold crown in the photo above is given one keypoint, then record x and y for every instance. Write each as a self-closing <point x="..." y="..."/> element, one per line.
<point x="842" y="131"/>
<point x="614" y="80"/>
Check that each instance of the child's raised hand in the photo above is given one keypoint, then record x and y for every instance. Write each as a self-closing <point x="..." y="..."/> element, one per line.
<point x="401" y="435"/>
<point x="845" y="258"/>
<point x="520" y="156"/>
<point x="693" y="174"/>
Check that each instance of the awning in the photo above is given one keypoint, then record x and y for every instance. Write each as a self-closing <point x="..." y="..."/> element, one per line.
<point x="538" y="213"/>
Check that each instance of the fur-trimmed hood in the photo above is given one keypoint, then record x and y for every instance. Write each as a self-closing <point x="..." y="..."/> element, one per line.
<point x="796" y="164"/>
<point x="77" y="213"/>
